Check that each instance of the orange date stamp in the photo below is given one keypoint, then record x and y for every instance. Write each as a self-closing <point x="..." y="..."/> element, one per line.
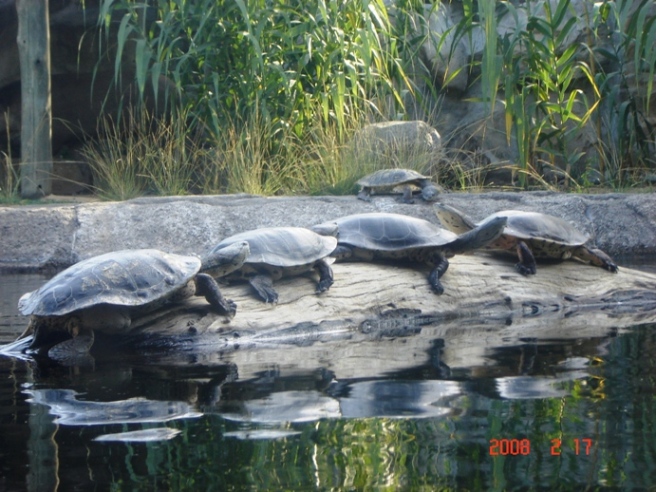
<point x="522" y="447"/>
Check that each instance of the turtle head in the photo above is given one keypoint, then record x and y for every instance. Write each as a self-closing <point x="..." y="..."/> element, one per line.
<point x="453" y="219"/>
<point x="223" y="261"/>
<point x="326" y="229"/>
<point x="481" y="236"/>
<point x="430" y="192"/>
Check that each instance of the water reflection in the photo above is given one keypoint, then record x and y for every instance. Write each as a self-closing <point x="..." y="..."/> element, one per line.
<point x="68" y="409"/>
<point x="147" y="435"/>
<point x="397" y="412"/>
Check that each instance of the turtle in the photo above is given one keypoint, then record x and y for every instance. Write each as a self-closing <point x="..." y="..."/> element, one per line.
<point x="105" y="292"/>
<point x="281" y="251"/>
<point x="397" y="237"/>
<point x="531" y="235"/>
<point x="386" y="180"/>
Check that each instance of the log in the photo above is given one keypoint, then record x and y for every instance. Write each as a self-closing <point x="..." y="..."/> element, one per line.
<point x="486" y="304"/>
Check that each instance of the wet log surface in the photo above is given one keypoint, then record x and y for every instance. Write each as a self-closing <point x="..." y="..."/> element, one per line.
<point x="485" y="304"/>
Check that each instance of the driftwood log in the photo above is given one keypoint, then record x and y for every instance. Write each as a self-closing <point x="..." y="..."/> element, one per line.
<point x="486" y="303"/>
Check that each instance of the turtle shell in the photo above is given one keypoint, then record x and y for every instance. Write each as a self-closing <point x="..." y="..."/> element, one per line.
<point x="536" y="226"/>
<point x="122" y="278"/>
<point x="390" y="177"/>
<point x="283" y="246"/>
<point x="390" y="232"/>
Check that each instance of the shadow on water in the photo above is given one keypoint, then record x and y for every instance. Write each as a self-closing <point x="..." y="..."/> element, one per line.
<point x="403" y="410"/>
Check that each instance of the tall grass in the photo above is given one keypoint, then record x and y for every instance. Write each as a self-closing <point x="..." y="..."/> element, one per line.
<point x="9" y="178"/>
<point x="627" y="87"/>
<point x="542" y="75"/>
<point x="264" y="81"/>
<point x="273" y="90"/>
<point x="230" y="59"/>
<point x="139" y="154"/>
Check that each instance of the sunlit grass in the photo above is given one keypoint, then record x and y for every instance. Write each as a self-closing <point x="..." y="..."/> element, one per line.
<point x="9" y="179"/>
<point x="275" y="93"/>
<point x="140" y="154"/>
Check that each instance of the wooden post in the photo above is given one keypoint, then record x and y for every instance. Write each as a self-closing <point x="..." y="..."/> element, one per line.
<point x="36" y="113"/>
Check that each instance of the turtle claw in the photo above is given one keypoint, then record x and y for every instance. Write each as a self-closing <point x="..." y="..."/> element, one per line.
<point x="323" y="286"/>
<point x="231" y="308"/>
<point x="525" y="269"/>
<point x="438" y="288"/>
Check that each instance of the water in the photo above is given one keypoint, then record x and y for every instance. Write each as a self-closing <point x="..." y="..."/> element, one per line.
<point x="402" y="413"/>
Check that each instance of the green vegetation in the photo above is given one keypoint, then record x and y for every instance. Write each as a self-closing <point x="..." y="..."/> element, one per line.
<point x="265" y="95"/>
<point x="9" y="179"/>
<point x="557" y="89"/>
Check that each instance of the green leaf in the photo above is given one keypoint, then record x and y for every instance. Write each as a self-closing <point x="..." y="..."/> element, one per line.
<point x="123" y="34"/>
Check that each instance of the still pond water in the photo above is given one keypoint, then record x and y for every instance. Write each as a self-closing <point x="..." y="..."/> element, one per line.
<point x="569" y="413"/>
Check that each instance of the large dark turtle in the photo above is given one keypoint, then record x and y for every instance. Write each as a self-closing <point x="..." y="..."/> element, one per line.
<point x="105" y="292"/>
<point x="281" y="251"/>
<point x="531" y="235"/>
<point x="395" y="237"/>
<point x="387" y="180"/>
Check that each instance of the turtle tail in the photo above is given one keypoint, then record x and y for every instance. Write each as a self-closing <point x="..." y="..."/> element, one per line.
<point x="480" y="236"/>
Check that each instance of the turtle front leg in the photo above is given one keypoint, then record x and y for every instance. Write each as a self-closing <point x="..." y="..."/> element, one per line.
<point x="263" y="285"/>
<point x="596" y="257"/>
<point x="527" y="264"/>
<point x="207" y="287"/>
<point x="325" y="276"/>
<point x="441" y="266"/>
<point x="407" y="195"/>
<point x="365" y="194"/>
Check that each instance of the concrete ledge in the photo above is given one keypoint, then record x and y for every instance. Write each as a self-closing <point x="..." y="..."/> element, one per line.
<point x="39" y="237"/>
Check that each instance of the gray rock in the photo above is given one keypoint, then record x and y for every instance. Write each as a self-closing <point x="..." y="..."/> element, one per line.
<point x="38" y="237"/>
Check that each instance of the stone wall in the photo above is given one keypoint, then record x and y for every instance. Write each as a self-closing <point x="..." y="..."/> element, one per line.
<point x="55" y="236"/>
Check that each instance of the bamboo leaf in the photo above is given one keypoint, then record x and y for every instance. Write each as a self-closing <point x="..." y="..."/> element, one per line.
<point x="142" y="62"/>
<point x="123" y="34"/>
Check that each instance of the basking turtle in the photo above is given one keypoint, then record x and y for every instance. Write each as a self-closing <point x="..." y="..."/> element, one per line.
<point x="386" y="180"/>
<point x="281" y="251"/>
<point x="531" y="235"/>
<point x="105" y="292"/>
<point x="395" y="237"/>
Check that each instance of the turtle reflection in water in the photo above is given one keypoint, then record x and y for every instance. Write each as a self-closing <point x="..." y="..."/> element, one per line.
<point x="277" y="252"/>
<point x="105" y="292"/>
<point x="387" y="180"/>
<point x="395" y="237"/>
<point x="531" y="235"/>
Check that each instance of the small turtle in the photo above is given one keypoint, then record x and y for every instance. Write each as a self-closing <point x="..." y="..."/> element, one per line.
<point x="384" y="236"/>
<point x="386" y="180"/>
<point x="531" y="235"/>
<point x="281" y="251"/>
<point x="105" y="292"/>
